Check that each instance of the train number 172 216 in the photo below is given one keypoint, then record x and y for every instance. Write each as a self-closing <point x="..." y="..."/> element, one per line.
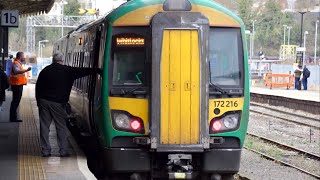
<point x="226" y="103"/>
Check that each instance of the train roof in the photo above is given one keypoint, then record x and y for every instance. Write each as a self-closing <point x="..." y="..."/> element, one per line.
<point x="136" y="4"/>
<point x="132" y="5"/>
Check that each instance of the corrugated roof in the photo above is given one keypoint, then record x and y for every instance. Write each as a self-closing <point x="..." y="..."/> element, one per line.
<point x="27" y="7"/>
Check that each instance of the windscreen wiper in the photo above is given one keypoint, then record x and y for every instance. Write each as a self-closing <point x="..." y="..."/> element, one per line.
<point x="228" y="91"/>
<point x="216" y="87"/>
<point x="128" y="91"/>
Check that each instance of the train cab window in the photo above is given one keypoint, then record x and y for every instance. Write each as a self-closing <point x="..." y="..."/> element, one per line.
<point x="129" y="59"/>
<point x="226" y="57"/>
<point x="128" y="67"/>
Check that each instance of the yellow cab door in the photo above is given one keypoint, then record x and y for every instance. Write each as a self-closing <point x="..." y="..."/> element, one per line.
<point x="180" y="87"/>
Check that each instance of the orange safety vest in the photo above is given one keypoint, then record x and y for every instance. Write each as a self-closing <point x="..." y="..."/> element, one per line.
<point x="17" y="79"/>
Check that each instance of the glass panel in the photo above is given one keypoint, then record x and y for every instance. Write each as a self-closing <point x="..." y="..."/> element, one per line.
<point x="128" y="67"/>
<point x="225" y="56"/>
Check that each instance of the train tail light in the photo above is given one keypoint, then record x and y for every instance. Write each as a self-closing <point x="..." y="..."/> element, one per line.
<point x="216" y="126"/>
<point x="135" y="125"/>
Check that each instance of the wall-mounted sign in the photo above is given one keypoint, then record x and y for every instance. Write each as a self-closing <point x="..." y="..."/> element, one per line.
<point x="10" y="18"/>
<point x="301" y="49"/>
<point x="128" y="41"/>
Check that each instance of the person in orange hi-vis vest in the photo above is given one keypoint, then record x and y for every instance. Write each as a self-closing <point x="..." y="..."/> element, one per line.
<point x="17" y="80"/>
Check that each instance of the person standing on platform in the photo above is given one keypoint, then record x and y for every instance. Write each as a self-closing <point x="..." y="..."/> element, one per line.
<point x="8" y="65"/>
<point x="53" y="89"/>
<point x="4" y="84"/>
<point x="17" y="80"/>
<point x="297" y="75"/>
<point x="305" y="76"/>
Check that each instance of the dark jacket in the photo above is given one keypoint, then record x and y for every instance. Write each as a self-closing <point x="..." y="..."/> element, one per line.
<point x="4" y="84"/>
<point x="304" y="73"/>
<point x="55" y="81"/>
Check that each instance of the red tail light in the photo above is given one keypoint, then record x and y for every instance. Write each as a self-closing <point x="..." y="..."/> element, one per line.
<point x="216" y="126"/>
<point x="135" y="125"/>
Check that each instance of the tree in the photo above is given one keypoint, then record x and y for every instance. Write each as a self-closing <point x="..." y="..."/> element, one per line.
<point x="306" y="4"/>
<point x="245" y="8"/>
<point x="270" y="27"/>
<point x="17" y="36"/>
<point x="72" y="8"/>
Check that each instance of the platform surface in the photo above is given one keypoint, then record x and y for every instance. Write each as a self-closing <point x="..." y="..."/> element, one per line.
<point x="20" y="156"/>
<point x="290" y="93"/>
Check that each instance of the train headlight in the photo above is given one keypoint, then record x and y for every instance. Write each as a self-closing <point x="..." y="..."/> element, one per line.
<point x="124" y="121"/>
<point x="231" y="121"/>
<point x="225" y="123"/>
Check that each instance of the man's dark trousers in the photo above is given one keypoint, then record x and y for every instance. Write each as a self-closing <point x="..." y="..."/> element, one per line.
<point x="297" y="83"/>
<point x="16" y="98"/>
<point x="48" y="111"/>
<point x="305" y="83"/>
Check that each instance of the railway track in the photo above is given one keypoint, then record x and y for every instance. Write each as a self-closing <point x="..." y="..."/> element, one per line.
<point x="286" y="147"/>
<point x="307" y="121"/>
<point x="241" y="177"/>
<point x="283" y="112"/>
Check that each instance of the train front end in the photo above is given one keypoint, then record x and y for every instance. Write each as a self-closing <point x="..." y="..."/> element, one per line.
<point x="177" y="90"/>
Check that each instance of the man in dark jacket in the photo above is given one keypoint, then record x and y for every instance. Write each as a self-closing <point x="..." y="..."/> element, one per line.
<point x="53" y="89"/>
<point x="305" y="76"/>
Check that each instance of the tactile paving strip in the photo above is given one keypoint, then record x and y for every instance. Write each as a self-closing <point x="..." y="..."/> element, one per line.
<point x="29" y="158"/>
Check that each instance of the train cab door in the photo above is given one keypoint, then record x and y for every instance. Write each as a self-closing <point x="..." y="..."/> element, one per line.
<point x="180" y="87"/>
<point x="179" y="98"/>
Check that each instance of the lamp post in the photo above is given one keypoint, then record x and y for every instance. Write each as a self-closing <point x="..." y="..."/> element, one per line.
<point x="302" y="13"/>
<point x="315" y="43"/>
<point x="301" y="29"/>
<point x="304" y="45"/>
<point x="289" y="28"/>
<point x="284" y="34"/>
<point x="39" y="47"/>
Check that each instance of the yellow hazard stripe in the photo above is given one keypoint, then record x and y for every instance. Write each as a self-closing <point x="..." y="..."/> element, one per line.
<point x="29" y="160"/>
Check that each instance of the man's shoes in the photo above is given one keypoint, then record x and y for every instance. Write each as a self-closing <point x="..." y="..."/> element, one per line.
<point x="64" y="155"/>
<point x="46" y="155"/>
<point x="16" y="120"/>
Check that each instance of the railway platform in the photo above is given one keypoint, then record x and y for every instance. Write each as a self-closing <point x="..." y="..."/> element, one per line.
<point x="309" y="95"/>
<point x="20" y="155"/>
<point x="308" y="101"/>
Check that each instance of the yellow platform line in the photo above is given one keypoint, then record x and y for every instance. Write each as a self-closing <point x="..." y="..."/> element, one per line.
<point x="30" y="165"/>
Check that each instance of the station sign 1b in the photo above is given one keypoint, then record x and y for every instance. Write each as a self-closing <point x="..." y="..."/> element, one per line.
<point x="10" y="18"/>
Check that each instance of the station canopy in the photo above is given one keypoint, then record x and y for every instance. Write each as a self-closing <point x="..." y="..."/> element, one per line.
<point x="27" y="7"/>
